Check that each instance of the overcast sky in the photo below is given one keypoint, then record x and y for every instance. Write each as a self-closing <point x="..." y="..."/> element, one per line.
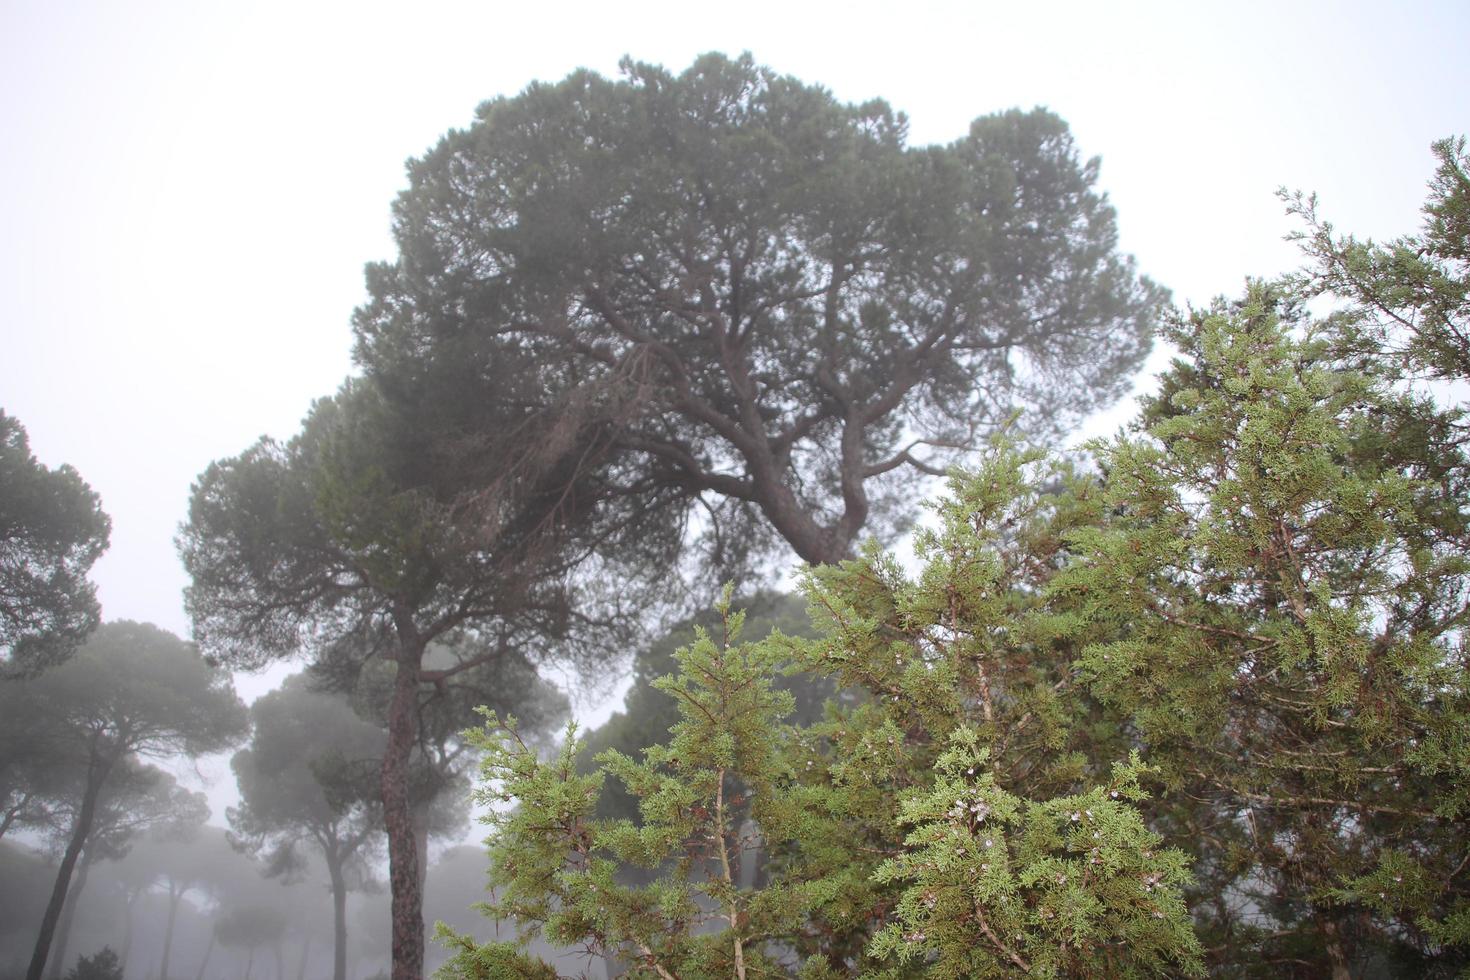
<point x="189" y="191"/>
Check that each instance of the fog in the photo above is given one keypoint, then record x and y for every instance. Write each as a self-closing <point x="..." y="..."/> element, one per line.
<point x="281" y="931"/>
<point x="188" y="199"/>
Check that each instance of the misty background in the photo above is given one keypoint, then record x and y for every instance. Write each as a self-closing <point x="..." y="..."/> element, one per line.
<point x="189" y="193"/>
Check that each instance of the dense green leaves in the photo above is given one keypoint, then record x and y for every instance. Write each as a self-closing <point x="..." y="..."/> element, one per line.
<point x="649" y="712"/>
<point x="1287" y="600"/>
<point x="1075" y="886"/>
<point x="881" y="841"/>
<point x="788" y="305"/>
<point x="1227" y="670"/>
<point x="1411" y="295"/>
<point x="52" y="529"/>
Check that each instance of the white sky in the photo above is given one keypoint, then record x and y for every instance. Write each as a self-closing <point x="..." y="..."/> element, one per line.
<point x="189" y="191"/>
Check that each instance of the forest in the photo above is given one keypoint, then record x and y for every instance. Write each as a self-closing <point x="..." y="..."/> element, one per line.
<point x="1189" y="701"/>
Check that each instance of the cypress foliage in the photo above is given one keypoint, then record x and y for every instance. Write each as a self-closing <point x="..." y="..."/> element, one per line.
<point x="1203" y="709"/>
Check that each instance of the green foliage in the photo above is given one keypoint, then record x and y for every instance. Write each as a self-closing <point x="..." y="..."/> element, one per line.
<point x="1072" y="886"/>
<point x="1411" y="295"/>
<point x="1283" y="576"/>
<point x="788" y="304"/>
<point x="52" y="530"/>
<point x="886" y="840"/>
<point x="1228" y="672"/>
<point x="649" y="712"/>
<point x="489" y="961"/>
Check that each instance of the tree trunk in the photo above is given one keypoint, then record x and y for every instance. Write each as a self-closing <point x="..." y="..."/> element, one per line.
<point x="127" y="943"/>
<point x="249" y="962"/>
<point x="306" y="952"/>
<point x="97" y="771"/>
<point x="205" y="962"/>
<point x="811" y="542"/>
<point x="421" y="837"/>
<point x="339" y="920"/>
<point x="174" y="894"/>
<point x="69" y="914"/>
<point x="403" y="854"/>
<point x="280" y="962"/>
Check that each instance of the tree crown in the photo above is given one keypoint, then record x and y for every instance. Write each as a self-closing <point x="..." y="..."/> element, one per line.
<point x="52" y="530"/>
<point x="787" y="302"/>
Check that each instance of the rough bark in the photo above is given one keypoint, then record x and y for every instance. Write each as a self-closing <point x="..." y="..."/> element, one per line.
<point x="403" y="854"/>
<point x="421" y="838"/>
<point x="811" y="542"/>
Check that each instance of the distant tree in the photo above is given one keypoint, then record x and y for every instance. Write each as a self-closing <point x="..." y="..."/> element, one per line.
<point x="185" y="876"/>
<point x="252" y="926"/>
<point x="26" y="878"/>
<point x="52" y="529"/>
<point x="102" y="965"/>
<point x="176" y="862"/>
<point x="128" y="881"/>
<point x="299" y="781"/>
<point x="378" y="531"/>
<point x="803" y="310"/>
<point x="132" y="690"/>
<point x="136" y="799"/>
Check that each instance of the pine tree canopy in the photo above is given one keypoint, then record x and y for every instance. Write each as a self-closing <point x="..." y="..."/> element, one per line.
<point x="1197" y="702"/>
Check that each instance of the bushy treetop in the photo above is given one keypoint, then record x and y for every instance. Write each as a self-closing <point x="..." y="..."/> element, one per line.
<point x="784" y="301"/>
<point x="896" y="840"/>
<point x="1203" y="708"/>
<point x="52" y="530"/>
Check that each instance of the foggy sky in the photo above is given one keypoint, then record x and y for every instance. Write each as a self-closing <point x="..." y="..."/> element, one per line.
<point x="188" y="192"/>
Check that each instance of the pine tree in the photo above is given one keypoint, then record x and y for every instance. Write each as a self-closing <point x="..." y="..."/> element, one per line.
<point x="939" y="827"/>
<point x="1286" y="580"/>
<point x="1227" y="671"/>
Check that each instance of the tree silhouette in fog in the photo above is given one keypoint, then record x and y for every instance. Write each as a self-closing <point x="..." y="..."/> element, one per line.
<point x="132" y="690"/>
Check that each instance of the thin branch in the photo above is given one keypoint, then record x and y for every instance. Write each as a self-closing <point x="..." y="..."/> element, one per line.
<point x="1011" y="954"/>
